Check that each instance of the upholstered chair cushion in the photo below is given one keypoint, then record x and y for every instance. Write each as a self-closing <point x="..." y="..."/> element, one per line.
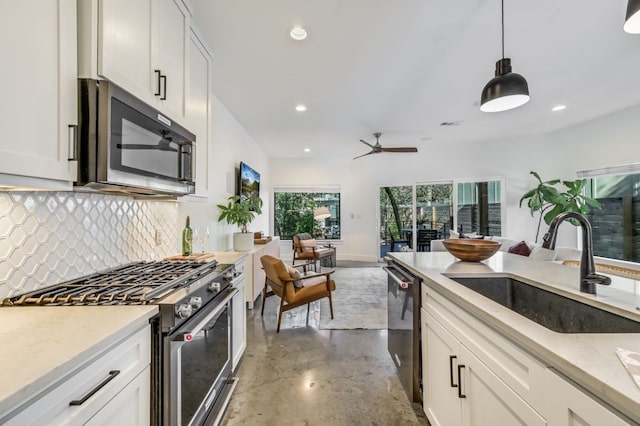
<point x="294" y="273"/>
<point x="308" y="245"/>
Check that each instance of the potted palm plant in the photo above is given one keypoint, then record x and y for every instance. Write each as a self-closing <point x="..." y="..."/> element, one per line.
<point x="241" y="212"/>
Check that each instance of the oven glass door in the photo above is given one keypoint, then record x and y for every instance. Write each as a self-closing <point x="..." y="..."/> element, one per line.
<point x="203" y="365"/>
<point x="145" y="147"/>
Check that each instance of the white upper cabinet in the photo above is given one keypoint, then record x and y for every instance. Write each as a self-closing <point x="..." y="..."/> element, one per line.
<point x="124" y="44"/>
<point x="170" y="56"/>
<point x="38" y="79"/>
<point x="141" y="46"/>
<point x="198" y="108"/>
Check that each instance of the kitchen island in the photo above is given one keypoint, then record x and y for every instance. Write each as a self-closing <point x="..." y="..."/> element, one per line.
<point x="586" y="361"/>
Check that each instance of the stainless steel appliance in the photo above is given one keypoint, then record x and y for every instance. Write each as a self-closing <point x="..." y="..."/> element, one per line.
<point x="404" y="327"/>
<point x="192" y="379"/>
<point x="127" y="146"/>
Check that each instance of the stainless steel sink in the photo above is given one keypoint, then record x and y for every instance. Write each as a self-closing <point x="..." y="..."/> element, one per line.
<point x="555" y="312"/>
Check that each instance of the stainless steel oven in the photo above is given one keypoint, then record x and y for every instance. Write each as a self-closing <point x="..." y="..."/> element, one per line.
<point x="403" y="307"/>
<point x="197" y="371"/>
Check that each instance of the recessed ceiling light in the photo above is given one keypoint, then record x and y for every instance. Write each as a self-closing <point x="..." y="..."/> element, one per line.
<point x="301" y="108"/>
<point x="558" y="108"/>
<point x="298" y="33"/>
<point x="307" y="150"/>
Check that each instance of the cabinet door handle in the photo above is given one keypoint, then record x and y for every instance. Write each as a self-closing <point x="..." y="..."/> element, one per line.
<point x="164" y="87"/>
<point x="460" y="394"/>
<point x="158" y="77"/>
<point x="451" y="358"/>
<point x="72" y="155"/>
<point x="112" y="375"/>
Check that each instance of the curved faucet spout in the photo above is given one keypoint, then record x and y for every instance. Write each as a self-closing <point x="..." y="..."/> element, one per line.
<point x="588" y="276"/>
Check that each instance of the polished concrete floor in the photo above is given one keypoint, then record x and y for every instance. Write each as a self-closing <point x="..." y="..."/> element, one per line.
<point x="307" y="376"/>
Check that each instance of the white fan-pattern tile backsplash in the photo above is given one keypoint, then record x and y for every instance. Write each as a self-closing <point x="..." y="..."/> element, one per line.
<point x="49" y="237"/>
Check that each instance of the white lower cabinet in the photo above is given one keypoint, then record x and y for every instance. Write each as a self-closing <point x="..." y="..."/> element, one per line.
<point x="111" y="389"/>
<point x="459" y="389"/>
<point x="131" y="406"/>
<point x="570" y="406"/>
<point x="474" y="375"/>
<point x="239" y="314"/>
<point x="256" y="276"/>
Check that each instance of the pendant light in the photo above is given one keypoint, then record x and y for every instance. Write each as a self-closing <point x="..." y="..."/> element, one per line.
<point x="507" y="90"/>
<point x="632" y="23"/>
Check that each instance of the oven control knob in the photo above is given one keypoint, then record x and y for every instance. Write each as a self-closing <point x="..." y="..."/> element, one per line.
<point x="183" y="311"/>
<point x="195" y="302"/>
<point x="214" y="287"/>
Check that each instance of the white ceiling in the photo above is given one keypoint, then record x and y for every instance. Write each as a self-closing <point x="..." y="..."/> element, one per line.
<point x="403" y="67"/>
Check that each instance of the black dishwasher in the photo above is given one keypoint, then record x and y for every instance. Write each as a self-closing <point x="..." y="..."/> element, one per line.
<point x="403" y="333"/>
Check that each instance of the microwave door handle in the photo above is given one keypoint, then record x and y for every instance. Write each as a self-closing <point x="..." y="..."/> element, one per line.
<point x="182" y="151"/>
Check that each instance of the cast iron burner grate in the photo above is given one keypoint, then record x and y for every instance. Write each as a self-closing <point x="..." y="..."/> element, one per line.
<point x="136" y="283"/>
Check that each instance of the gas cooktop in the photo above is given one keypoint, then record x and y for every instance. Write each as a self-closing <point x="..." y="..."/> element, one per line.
<point x="134" y="283"/>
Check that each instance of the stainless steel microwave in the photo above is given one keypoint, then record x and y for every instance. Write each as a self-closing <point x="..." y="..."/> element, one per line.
<point x="126" y="146"/>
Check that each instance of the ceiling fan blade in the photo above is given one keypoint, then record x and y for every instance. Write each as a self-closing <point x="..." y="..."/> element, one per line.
<point x="368" y="153"/>
<point x="405" y="149"/>
<point x="366" y="143"/>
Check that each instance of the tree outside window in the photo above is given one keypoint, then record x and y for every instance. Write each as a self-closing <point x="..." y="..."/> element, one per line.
<point x="294" y="214"/>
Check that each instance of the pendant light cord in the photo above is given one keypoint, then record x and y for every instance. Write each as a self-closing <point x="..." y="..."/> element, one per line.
<point x="502" y="29"/>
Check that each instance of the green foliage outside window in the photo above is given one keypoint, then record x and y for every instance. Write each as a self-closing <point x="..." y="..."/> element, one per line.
<point x="293" y="214"/>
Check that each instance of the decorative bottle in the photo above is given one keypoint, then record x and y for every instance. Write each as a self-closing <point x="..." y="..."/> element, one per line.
<point x="187" y="239"/>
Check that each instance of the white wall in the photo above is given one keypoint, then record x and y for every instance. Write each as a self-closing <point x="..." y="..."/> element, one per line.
<point x="230" y="145"/>
<point x="611" y="140"/>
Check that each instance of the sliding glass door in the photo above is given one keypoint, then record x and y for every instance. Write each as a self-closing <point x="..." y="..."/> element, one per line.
<point x="396" y="218"/>
<point x="479" y="207"/>
<point x="411" y="216"/>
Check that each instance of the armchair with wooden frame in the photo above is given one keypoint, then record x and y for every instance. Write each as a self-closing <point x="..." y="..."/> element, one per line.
<point x="306" y="249"/>
<point x="294" y="289"/>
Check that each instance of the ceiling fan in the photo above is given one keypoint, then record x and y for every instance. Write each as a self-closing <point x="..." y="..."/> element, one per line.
<point x="377" y="148"/>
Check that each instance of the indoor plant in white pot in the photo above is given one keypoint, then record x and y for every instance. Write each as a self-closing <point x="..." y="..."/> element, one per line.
<point x="241" y="212"/>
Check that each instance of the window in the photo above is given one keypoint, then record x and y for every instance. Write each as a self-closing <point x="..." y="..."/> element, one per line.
<point x="479" y="207"/>
<point x="616" y="225"/>
<point x="297" y="211"/>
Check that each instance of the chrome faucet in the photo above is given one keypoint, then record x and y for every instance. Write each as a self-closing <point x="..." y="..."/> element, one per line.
<point x="588" y="276"/>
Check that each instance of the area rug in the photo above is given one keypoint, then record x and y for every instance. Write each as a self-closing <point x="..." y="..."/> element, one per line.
<point x="359" y="301"/>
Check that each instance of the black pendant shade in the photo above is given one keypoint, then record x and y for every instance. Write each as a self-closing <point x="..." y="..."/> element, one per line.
<point x="632" y="22"/>
<point x="505" y="91"/>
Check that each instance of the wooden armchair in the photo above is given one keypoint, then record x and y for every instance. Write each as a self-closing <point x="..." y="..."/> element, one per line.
<point x="293" y="288"/>
<point x="306" y="249"/>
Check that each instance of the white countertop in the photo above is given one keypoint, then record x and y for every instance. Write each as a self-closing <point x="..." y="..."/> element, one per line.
<point x="41" y="345"/>
<point x="229" y="256"/>
<point x="588" y="359"/>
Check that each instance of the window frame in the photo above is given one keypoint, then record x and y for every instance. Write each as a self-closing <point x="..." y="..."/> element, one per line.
<point x="328" y="189"/>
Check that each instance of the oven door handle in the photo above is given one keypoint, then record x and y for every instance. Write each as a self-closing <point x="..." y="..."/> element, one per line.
<point x="188" y="335"/>
<point x="401" y="283"/>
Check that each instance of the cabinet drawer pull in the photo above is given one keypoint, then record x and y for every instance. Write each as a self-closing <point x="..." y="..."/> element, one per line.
<point x="451" y="358"/>
<point x="164" y="87"/>
<point x="159" y="76"/>
<point x="460" y="394"/>
<point x="112" y="375"/>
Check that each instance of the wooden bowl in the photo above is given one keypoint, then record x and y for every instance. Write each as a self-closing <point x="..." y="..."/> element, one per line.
<point x="471" y="250"/>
